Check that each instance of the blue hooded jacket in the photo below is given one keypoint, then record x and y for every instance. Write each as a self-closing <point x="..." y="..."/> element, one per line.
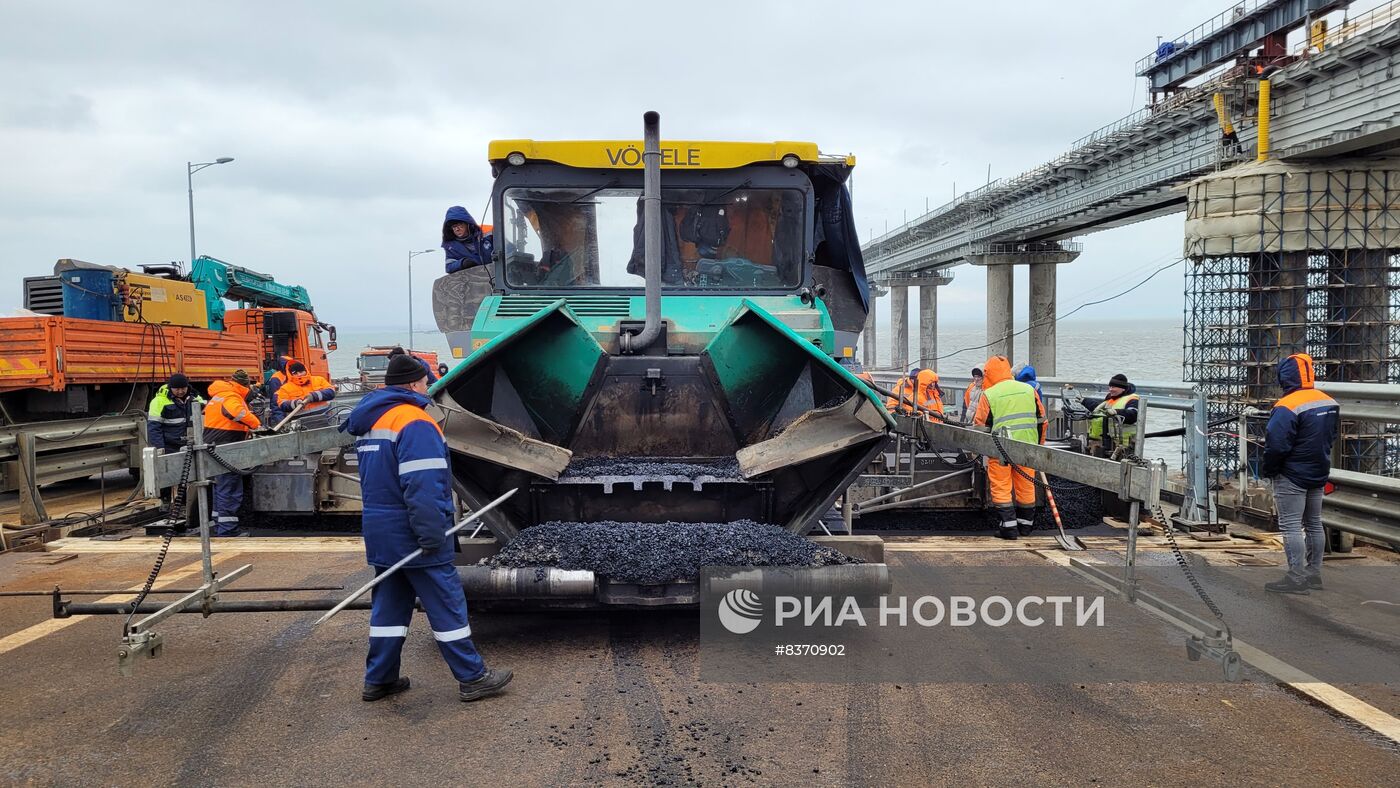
<point x="1302" y="427"/>
<point x="1026" y="374"/>
<point x="405" y="478"/>
<point x="475" y="250"/>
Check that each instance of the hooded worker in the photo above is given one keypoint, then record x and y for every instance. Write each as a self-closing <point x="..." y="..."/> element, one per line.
<point x="463" y="241"/>
<point x="312" y="392"/>
<point x="927" y="393"/>
<point x="278" y="377"/>
<point x="1026" y="374"/>
<point x="1013" y="410"/>
<point x="1298" y="458"/>
<point x="406" y="483"/>
<point x="228" y="419"/>
<point x="904" y="393"/>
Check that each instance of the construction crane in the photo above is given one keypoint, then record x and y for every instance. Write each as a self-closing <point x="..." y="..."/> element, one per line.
<point x="220" y="280"/>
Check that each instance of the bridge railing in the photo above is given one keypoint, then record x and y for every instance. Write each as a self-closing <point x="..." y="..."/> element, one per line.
<point x="1379" y="16"/>
<point x="1202" y="31"/>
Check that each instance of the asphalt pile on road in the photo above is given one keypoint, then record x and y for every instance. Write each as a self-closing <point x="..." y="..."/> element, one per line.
<point x="1081" y="506"/>
<point x="653" y="553"/>
<point x="590" y="467"/>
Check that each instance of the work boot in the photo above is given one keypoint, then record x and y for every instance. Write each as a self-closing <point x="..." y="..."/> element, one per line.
<point x="377" y="691"/>
<point x="1025" y="520"/>
<point x="1008" y="531"/>
<point x="1288" y="585"/>
<point x="490" y="683"/>
<point x="1315" y="581"/>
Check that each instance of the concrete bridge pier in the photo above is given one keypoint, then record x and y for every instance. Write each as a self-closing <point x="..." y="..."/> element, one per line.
<point x="928" y="326"/>
<point x="869" y="336"/>
<point x="1001" y="305"/>
<point x="899" y="326"/>
<point x="1000" y="260"/>
<point x="927" y="283"/>
<point x="1043" y="315"/>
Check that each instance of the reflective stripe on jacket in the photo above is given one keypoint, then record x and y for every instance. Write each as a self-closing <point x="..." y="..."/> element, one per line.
<point x="168" y="420"/>
<point x="1302" y="427"/>
<point x="405" y="479"/>
<point x="1098" y="424"/>
<point x="228" y="411"/>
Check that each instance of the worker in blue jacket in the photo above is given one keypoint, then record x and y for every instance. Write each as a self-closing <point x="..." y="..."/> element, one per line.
<point x="407" y="498"/>
<point x="463" y="241"/>
<point x="1298" y="458"/>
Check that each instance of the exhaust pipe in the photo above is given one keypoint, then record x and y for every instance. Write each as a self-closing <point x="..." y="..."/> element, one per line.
<point x="651" y="234"/>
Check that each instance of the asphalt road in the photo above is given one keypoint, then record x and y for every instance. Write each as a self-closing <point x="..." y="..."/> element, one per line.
<point x="598" y="698"/>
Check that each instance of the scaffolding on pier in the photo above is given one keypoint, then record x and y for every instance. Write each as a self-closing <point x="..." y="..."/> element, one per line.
<point x="1294" y="258"/>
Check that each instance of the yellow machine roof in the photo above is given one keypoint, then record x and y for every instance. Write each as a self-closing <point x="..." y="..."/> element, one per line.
<point x="675" y="154"/>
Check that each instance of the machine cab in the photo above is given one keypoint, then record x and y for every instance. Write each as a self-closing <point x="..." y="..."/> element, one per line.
<point x="739" y="220"/>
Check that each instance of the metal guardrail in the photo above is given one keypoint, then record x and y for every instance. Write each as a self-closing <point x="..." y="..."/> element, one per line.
<point x="1363" y="504"/>
<point x="39" y="453"/>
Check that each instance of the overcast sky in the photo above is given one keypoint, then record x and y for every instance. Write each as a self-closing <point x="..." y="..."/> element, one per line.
<point x="355" y="124"/>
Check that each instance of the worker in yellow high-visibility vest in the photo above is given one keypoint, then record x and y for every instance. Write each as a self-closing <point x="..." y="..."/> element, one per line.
<point x="1013" y="410"/>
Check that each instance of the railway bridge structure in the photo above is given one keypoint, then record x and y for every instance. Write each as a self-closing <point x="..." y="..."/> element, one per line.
<point x="1283" y="84"/>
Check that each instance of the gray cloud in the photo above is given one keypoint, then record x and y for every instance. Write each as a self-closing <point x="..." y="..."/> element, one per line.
<point x="354" y="125"/>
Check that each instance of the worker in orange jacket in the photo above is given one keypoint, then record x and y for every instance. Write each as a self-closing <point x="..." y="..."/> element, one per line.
<point x="904" y="393"/>
<point x="1013" y="410"/>
<point x="277" y="378"/>
<point x="927" y="393"/>
<point x="227" y="419"/>
<point x="302" y="388"/>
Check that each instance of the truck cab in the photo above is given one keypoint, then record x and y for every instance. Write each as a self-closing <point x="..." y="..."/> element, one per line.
<point x="373" y="361"/>
<point x="286" y="332"/>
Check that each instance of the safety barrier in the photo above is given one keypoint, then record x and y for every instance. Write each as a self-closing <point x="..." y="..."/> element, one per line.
<point x="1366" y="505"/>
<point x="39" y="453"/>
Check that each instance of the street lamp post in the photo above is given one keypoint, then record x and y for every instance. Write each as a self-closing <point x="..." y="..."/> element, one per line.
<point x="412" y="255"/>
<point x="190" y="169"/>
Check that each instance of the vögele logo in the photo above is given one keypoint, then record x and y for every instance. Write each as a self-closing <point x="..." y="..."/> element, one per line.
<point x="740" y="611"/>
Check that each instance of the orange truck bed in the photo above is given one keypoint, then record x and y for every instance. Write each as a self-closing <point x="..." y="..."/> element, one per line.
<point x="51" y="353"/>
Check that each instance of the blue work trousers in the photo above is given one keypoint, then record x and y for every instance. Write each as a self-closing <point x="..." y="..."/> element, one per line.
<point x="228" y="499"/>
<point x="440" y="590"/>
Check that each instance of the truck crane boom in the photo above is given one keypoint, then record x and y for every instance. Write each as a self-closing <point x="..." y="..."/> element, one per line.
<point x="219" y="280"/>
